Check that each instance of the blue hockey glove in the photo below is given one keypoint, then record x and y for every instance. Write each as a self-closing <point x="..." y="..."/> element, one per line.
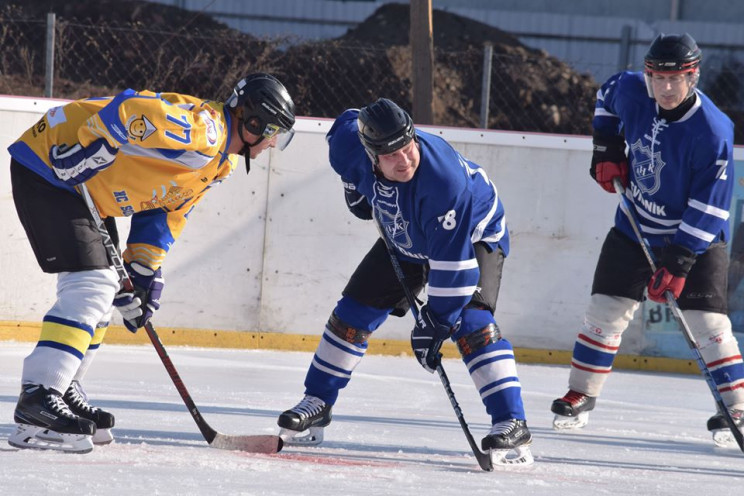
<point x="427" y="338"/>
<point x="356" y="202"/>
<point x="76" y="164"/>
<point x="138" y="306"/>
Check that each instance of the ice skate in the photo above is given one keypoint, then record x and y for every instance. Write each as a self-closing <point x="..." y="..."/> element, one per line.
<point x="44" y="421"/>
<point x="77" y="400"/>
<point x="312" y="415"/>
<point x="719" y="428"/>
<point x="508" y="443"/>
<point x="572" y="411"/>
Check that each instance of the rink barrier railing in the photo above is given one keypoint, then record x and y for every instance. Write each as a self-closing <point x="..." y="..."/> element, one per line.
<point x="244" y="340"/>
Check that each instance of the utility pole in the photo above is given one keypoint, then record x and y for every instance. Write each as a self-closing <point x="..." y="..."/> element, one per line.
<point x="422" y="55"/>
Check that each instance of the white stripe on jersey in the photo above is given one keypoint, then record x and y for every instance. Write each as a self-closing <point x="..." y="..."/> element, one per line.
<point x="698" y="233"/>
<point x="709" y="209"/>
<point x="461" y="265"/>
<point x="191" y="159"/>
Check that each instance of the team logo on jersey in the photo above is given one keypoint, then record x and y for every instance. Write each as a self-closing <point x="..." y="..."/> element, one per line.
<point x="385" y="203"/>
<point x="168" y="195"/>
<point x="56" y="116"/>
<point x="211" y="127"/>
<point x="140" y="128"/>
<point x="647" y="167"/>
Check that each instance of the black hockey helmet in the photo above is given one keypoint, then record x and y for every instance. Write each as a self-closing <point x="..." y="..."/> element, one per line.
<point x="673" y="53"/>
<point x="384" y="128"/>
<point x="264" y="108"/>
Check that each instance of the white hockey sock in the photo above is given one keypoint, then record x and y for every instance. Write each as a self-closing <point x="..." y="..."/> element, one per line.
<point x="598" y="341"/>
<point x="720" y="351"/>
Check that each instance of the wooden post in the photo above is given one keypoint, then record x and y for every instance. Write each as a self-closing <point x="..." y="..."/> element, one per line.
<point x="422" y="55"/>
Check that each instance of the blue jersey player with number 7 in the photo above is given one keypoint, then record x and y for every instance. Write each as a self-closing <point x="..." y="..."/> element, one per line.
<point x="445" y="222"/>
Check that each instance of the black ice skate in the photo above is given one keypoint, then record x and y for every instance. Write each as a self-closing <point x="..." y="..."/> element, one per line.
<point x="77" y="400"/>
<point x="311" y="414"/>
<point x="508" y="443"/>
<point x="44" y="421"/>
<point x="720" y="430"/>
<point x="572" y="411"/>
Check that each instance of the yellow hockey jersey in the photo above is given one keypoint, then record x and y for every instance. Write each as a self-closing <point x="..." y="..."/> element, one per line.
<point x="171" y="150"/>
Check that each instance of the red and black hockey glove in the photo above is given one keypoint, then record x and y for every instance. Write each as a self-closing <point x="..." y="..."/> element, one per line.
<point x="671" y="275"/>
<point x="609" y="161"/>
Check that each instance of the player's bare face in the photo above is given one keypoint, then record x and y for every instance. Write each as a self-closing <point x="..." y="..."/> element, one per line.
<point x="671" y="88"/>
<point x="401" y="164"/>
<point x="264" y="145"/>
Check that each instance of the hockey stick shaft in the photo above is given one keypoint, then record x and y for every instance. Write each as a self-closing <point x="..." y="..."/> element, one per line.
<point x="214" y="438"/>
<point x="484" y="460"/>
<point x="629" y="211"/>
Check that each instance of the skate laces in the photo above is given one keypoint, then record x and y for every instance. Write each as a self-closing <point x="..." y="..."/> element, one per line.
<point x="573" y="398"/>
<point x="309" y="406"/>
<point x="505" y="427"/>
<point x="77" y="397"/>
<point x="58" y="405"/>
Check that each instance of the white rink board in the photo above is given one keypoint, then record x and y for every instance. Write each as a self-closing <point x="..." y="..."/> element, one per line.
<point x="271" y="251"/>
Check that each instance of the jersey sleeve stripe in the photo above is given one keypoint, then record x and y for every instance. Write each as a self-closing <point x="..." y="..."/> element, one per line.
<point x="709" y="209"/>
<point x="459" y="265"/>
<point x="697" y="233"/>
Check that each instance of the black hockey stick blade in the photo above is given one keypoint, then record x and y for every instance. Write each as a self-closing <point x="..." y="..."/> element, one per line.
<point x="267" y="444"/>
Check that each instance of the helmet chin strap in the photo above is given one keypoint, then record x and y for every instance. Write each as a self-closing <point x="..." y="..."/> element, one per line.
<point x="245" y="151"/>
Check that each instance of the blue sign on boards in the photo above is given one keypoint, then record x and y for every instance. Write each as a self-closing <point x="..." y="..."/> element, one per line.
<point x="662" y="336"/>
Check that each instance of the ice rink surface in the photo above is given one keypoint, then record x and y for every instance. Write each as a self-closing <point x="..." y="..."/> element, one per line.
<point x="394" y="432"/>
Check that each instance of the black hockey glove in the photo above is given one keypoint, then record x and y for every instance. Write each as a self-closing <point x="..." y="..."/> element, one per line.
<point x="609" y="161"/>
<point x="356" y="202"/>
<point x="427" y="338"/>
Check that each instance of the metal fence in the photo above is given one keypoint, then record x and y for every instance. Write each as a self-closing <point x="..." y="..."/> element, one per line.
<point x="527" y="90"/>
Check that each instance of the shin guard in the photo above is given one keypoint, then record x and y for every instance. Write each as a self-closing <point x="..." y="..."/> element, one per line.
<point x="598" y="341"/>
<point x="720" y="351"/>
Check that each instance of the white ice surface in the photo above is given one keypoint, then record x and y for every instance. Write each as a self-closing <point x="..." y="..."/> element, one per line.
<point x="394" y="432"/>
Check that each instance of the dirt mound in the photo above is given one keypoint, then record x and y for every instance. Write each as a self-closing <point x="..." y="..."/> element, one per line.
<point x="105" y="46"/>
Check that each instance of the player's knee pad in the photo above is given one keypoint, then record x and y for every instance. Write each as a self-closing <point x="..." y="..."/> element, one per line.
<point x="85" y="296"/>
<point x="709" y="328"/>
<point x="346" y="332"/>
<point x="607" y="317"/>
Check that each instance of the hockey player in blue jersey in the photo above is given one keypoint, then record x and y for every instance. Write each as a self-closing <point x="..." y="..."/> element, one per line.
<point x="444" y="218"/>
<point x="678" y="174"/>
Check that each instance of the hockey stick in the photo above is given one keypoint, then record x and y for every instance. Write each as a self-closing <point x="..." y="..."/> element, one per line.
<point x="628" y="209"/>
<point x="484" y="460"/>
<point x="255" y="444"/>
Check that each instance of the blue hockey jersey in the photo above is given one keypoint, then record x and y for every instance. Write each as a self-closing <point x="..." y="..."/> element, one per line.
<point x="681" y="172"/>
<point x="434" y="218"/>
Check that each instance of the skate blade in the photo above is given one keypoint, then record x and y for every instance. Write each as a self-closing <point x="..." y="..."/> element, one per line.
<point x="103" y="437"/>
<point x="313" y="437"/>
<point x="520" y="456"/>
<point x="34" y="437"/>
<point x="723" y="438"/>
<point x="561" y="422"/>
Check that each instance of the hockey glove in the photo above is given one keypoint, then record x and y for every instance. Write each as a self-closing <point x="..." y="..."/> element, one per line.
<point x="676" y="263"/>
<point x="138" y="306"/>
<point x="609" y="161"/>
<point x="356" y="202"/>
<point x="76" y="164"/>
<point x="427" y="338"/>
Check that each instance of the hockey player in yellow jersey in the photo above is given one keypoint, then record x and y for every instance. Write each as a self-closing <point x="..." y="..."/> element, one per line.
<point x="143" y="155"/>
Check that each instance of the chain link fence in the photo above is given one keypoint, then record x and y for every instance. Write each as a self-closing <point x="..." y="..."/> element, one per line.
<point x="528" y="90"/>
